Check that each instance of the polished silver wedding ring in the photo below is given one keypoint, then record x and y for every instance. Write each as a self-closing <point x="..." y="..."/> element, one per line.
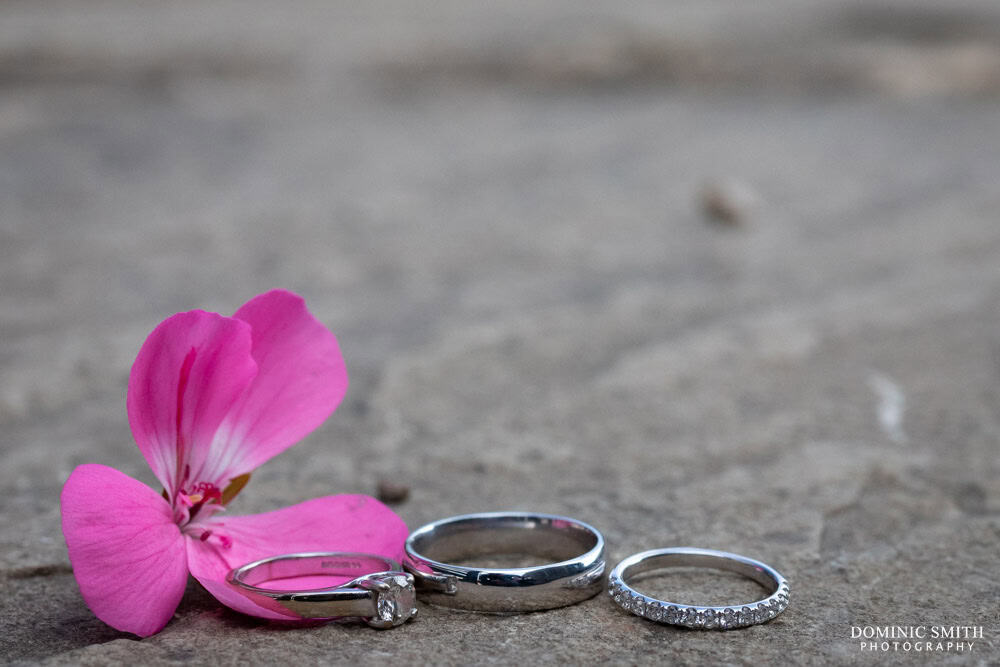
<point x="379" y="593"/>
<point x="693" y="616"/>
<point x="572" y="555"/>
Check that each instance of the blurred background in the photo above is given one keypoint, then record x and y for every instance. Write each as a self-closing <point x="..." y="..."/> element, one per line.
<point x="714" y="273"/>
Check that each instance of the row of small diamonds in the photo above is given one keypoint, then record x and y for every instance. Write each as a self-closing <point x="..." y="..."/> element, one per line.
<point x="721" y="618"/>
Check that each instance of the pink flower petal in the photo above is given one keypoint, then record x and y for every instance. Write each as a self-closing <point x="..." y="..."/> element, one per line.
<point x="331" y="523"/>
<point x="127" y="554"/>
<point x="187" y="376"/>
<point x="302" y="379"/>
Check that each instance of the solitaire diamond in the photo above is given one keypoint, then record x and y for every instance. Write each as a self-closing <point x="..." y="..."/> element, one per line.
<point x="386" y="609"/>
<point x="395" y="599"/>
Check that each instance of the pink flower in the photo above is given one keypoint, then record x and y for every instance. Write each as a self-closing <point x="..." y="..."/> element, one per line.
<point x="210" y="398"/>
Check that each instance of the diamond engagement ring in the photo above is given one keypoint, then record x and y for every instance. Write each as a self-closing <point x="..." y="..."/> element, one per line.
<point x="379" y="592"/>
<point x="572" y="555"/>
<point x="703" y="618"/>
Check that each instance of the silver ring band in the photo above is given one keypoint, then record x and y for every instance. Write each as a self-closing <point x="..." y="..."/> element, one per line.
<point x="576" y="575"/>
<point x="380" y="593"/>
<point x="693" y="616"/>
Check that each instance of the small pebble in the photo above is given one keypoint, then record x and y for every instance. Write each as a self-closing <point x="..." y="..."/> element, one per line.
<point x="728" y="202"/>
<point x="392" y="492"/>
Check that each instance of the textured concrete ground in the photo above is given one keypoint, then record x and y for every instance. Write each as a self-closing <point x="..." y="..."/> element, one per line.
<point x="499" y="211"/>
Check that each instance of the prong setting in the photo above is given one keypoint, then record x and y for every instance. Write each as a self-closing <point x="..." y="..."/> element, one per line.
<point x="395" y="597"/>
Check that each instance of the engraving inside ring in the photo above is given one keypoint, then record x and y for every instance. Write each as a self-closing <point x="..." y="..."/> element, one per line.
<point x="310" y="573"/>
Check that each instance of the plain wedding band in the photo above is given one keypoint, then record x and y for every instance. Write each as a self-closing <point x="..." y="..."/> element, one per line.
<point x="575" y="571"/>
<point x="380" y="593"/>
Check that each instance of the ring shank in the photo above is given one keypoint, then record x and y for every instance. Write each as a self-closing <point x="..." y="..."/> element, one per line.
<point x="302" y="565"/>
<point x="556" y="540"/>
<point x="707" y="560"/>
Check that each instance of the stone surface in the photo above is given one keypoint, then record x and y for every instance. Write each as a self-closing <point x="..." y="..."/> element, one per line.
<point x="497" y="208"/>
